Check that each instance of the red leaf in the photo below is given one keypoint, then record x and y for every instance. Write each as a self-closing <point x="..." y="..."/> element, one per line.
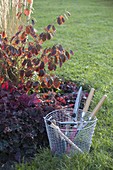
<point x="56" y="82"/>
<point x="38" y="46"/>
<point x="23" y="36"/>
<point x="48" y="27"/>
<point x="67" y="54"/>
<point x="43" y="36"/>
<point x="61" y="99"/>
<point x="60" y="62"/>
<point x="5" y="85"/>
<point x="50" y="66"/>
<point x="28" y="29"/>
<point x="29" y="55"/>
<point x="12" y="38"/>
<point x="54" y="68"/>
<point x="36" y="84"/>
<point x="4" y="34"/>
<point x="34" y="51"/>
<point x="24" y="62"/>
<point x="37" y="101"/>
<point x="30" y="1"/>
<point x="60" y="48"/>
<point x="20" y="85"/>
<point x="53" y="28"/>
<point x="48" y="36"/>
<point x="37" y="69"/>
<point x="19" y="51"/>
<point x="1" y="80"/>
<point x="48" y="101"/>
<point x="45" y="59"/>
<point x="41" y="73"/>
<point x="19" y="5"/>
<point x="1" y="54"/>
<point x="63" y="20"/>
<point x="29" y="84"/>
<point x="20" y="28"/>
<point x="22" y="73"/>
<point x="63" y="58"/>
<point x="36" y="61"/>
<point x="32" y="30"/>
<point x="49" y="83"/>
<point x="60" y="20"/>
<point x="56" y="58"/>
<point x="29" y="65"/>
<point x="16" y="42"/>
<point x="26" y="12"/>
<point x="42" y="65"/>
<point x="33" y="22"/>
<point x="53" y="52"/>
<point x="71" y="52"/>
<point x="43" y="85"/>
<point x="19" y="14"/>
<point x="28" y="73"/>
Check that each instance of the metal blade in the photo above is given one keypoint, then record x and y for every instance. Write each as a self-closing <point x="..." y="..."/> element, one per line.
<point x="77" y="104"/>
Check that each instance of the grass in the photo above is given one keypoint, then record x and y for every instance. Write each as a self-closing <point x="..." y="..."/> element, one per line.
<point x="89" y="33"/>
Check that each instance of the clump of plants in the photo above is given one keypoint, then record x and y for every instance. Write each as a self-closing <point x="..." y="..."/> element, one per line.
<point x="22" y="126"/>
<point x="21" y="123"/>
<point x="23" y="59"/>
<point x="28" y="82"/>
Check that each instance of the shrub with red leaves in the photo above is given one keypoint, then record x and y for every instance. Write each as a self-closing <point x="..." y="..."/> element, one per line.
<point x="25" y="61"/>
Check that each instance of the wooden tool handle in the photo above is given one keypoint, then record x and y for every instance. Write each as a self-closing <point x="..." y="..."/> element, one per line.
<point x="92" y="115"/>
<point x="65" y="137"/>
<point x="88" y="101"/>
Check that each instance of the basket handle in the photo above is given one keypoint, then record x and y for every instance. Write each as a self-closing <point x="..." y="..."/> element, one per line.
<point x="64" y="136"/>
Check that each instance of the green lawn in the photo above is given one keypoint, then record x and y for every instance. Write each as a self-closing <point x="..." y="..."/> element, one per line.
<point x="89" y="33"/>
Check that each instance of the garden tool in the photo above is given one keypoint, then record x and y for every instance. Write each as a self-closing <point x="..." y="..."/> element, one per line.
<point x="87" y="104"/>
<point x="64" y="136"/>
<point x="77" y="104"/>
<point x="86" y="107"/>
<point x="96" y="109"/>
<point x="98" y="106"/>
<point x="75" y="116"/>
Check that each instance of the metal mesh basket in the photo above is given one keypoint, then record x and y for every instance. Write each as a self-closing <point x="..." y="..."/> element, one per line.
<point x="79" y="132"/>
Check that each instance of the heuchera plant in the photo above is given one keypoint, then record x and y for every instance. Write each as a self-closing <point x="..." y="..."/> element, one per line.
<point x="22" y="128"/>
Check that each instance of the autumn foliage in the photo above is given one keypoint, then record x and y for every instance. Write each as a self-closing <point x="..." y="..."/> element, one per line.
<point x="26" y="63"/>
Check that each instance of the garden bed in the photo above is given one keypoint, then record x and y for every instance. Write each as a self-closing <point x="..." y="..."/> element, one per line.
<point x="22" y="125"/>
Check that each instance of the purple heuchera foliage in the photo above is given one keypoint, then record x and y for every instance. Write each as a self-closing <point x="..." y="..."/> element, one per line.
<point x="22" y="128"/>
<point x="21" y="123"/>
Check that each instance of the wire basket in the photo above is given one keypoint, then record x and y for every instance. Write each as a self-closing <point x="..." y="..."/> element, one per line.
<point x="79" y="132"/>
